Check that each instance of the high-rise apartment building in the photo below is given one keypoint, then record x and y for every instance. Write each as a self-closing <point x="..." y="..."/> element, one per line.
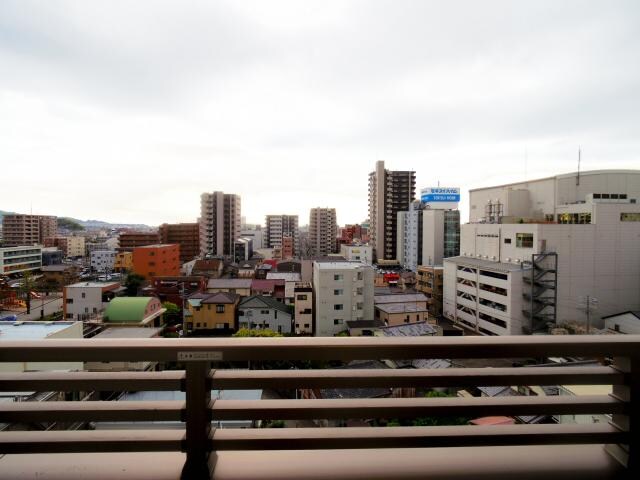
<point x="187" y="235"/>
<point x="390" y="192"/>
<point x="278" y="226"/>
<point x="430" y="230"/>
<point x="219" y="223"/>
<point x="323" y="231"/>
<point x="541" y="248"/>
<point x="19" y="229"/>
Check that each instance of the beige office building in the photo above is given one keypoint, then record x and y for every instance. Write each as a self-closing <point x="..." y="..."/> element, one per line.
<point x="323" y="231"/>
<point x="219" y="223"/>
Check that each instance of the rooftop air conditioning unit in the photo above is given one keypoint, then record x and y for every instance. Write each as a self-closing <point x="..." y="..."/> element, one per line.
<point x="493" y="257"/>
<point x="508" y="260"/>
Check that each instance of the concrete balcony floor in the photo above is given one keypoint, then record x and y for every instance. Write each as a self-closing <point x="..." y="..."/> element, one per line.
<point x="478" y="463"/>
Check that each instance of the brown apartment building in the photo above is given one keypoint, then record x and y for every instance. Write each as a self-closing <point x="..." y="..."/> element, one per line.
<point x="18" y="229"/>
<point x="187" y="235"/>
<point x="130" y="240"/>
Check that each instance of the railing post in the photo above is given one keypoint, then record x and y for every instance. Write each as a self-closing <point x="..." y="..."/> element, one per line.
<point x="198" y="420"/>
<point x="628" y="455"/>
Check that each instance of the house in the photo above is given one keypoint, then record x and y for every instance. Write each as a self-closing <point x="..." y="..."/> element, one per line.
<point x="400" y="313"/>
<point x="303" y="308"/>
<point x="290" y="280"/>
<point x="174" y="289"/>
<point x="87" y="300"/>
<point x="211" y="313"/>
<point x="269" y="288"/>
<point x="134" y="311"/>
<point x="625" y="322"/>
<point x="240" y="286"/>
<point x="210" y="268"/>
<point x="363" y="328"/>
<point x="261" y="312"/>
<point x="56" y="276"/>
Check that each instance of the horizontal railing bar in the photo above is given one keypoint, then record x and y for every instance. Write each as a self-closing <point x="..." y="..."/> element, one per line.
<point x="406" y="378"/>
<point x="414" y="437"/>
<point x="413" y="407"/>
<point x="100" y="411"/>
<point x="90" y="381"/>
<point x="332" y="348"/>
<point x="91" y="441"/>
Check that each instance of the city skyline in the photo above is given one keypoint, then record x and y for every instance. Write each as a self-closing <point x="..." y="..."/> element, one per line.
<point x="290" y="108"/>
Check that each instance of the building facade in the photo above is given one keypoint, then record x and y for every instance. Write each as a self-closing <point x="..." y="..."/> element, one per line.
<point x="390" y="192"/>
<point x="515" y="278"/>
<point x="279" y="226"/>
<point x="430" y="281"/>
<point x="72" y="247"/>
<point x="303" y="308"/>
<point x="187" y="235"/>
<point x="427" y="234"/>
<point x="19" y="229"/>
<point x="211" y="312"/>
<point x="357" y="253"/>
<point x="220" y="216"/>
<point x="87" y="300"/>
<point x="103" y="260"/>
<point x="20" y="259"/>
<point x="254" y="233"/>
<point x="157" y="260"/>
<point x="127" y="241"/>
<point x="264" y="313"/>
<point x="342" y="291"/>
<point x="323" y="231"/>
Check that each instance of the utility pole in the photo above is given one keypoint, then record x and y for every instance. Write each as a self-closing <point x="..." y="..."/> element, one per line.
<point x="588" y="303"/>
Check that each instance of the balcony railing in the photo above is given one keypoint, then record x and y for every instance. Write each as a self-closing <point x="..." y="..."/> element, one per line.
<point x="605" y="450"/>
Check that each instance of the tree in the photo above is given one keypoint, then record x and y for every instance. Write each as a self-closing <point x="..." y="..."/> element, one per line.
<point x="28" y="285"/>
<point x="173" y="312"/>
<point x="133" y="283"/>
<point x="69" y="224"/>
<point x="245" y="332"/>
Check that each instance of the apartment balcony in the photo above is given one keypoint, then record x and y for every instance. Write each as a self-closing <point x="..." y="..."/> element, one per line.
<point x="523" y="451"/>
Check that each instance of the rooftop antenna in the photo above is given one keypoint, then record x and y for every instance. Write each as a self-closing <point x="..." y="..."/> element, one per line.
<point x="578" y="176"/>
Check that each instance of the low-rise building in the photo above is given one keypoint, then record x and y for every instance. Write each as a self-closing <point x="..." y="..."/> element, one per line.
<point x="264" y="313"/>
<point x="211" y="313"/>
<point x="430" y="281"/>
<point x="364" y="328"/>
<point x="118" y="333"/>
<point x="10" y="331"/>
<point x="20" y="259"/>
<point x="103" y="260"/>
<point x="240" y="286"/>
<point x="174" y="289"/>
<point x="56" y="276"/>
<point x="210" y="268"/>
<point x="626" y="323"/>
<point x="268" y="288"/>
<point x="343" y="291"/>
<point x="87" y="300"/>
<point x="243" y="249"/>
<point x="123" y="262"/>
<point x="134" y="311"/>
<point x="290" y="281"/>
<point x="158" y="260"/>
<point x="51" y="256"/>
<point x="303" y="308"/>
<point x="393" y="314"/>
<point x="357" y="253"/>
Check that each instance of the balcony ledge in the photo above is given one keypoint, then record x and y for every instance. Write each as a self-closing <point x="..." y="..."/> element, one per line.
<point x="521" y="462"/>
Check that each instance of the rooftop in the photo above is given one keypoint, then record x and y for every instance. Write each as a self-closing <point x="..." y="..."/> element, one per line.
<point x="365" y="323"/>
<point x="404" y="298"/>
<point x="286" y="276"/>
<point x="127" y="309"/>
<point x="103" y="285"/>
<point x="30" y="330"/>
<point x="229" y="283"/>
<point x="400" y="308"/>
<point x="337" y="265"/>
<point x="129" y="332"/>
<point x="254" y="301"/>
<point x="416" y="329"/>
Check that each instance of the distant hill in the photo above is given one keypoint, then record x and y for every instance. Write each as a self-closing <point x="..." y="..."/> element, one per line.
<point x="65" y="222"/>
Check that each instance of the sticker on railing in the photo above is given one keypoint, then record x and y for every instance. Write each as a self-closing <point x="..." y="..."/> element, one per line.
<point x="199" y="356"/>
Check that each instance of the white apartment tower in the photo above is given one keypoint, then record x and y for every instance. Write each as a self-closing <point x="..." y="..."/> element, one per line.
<point x="323" y="230"/>
<point x="278" y="226"/>
<point x="219" y="223"/>
<point x="390" y="192"/>
<point x="532" y="262"/>
<point x="342" y="291"/>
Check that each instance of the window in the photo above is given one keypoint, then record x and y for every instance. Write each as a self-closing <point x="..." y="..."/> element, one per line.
<point x="630" y="217"/>
<point x="487" y="273"/>
<point x="219" y="308"/>
<point x="70" y="315"/>
<point x="338" y="321"/>
<point x="339" y="306"/>
<point x="84" y="295"/>
<point x="338" y="277"/>
<point x="301" y="297"/>
<point x="360" y="276"/>
<point x="197" y="325"/>
<point x="507" y="240"/>
<point x="279" y="328"/>
<point x="338" y="291"/>
<point x="86" y="309"/>
<point x="95" y="310"/>
<point x="264" y="312"/>
<point x="69" y="300"/>
<point x="306" y="325"/>
<point x="524" y="240"/>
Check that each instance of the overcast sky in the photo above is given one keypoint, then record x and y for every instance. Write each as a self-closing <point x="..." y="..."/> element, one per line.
<point x="126" y="111"/>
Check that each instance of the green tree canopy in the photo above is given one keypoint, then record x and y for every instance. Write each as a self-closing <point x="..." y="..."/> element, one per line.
<point x="245" y="332"/>
<point x="132" y="283"/>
